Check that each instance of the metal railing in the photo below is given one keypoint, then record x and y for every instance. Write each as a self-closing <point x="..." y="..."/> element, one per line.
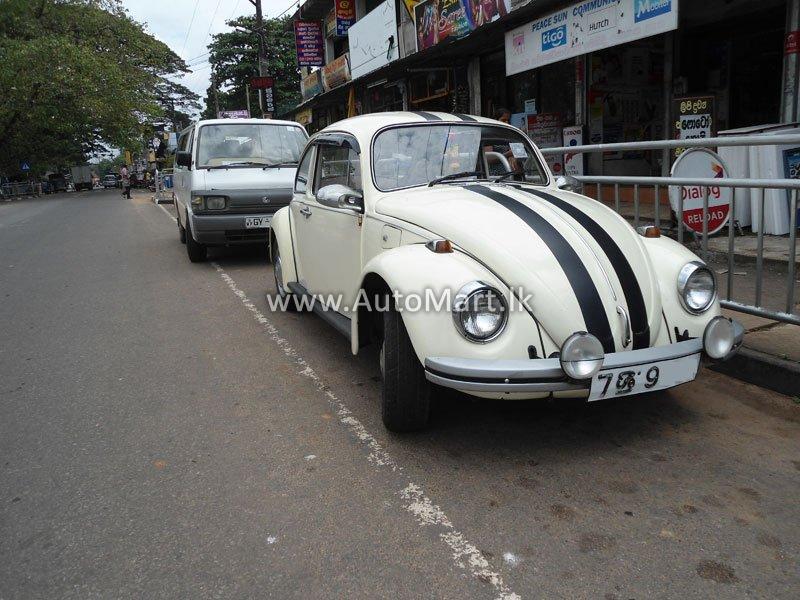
<point x="8" y="191"/>
<point x="788" y="313"/>
<point x="163" y="186"/>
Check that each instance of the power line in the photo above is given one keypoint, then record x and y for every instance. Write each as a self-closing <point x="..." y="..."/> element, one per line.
<point x="191" y="21"/>
<point x="211" y="24"/>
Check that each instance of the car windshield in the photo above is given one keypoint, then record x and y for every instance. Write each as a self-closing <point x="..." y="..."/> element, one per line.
<point x="409" y="156"/>
<point x="249" y="144"/>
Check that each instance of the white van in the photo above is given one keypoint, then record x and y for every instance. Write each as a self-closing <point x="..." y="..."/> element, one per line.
<point x="231" y="175"/>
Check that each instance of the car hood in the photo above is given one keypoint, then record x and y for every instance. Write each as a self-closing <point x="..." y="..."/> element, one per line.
<point x="246" y="178"/>
<point x="582" y="265"/>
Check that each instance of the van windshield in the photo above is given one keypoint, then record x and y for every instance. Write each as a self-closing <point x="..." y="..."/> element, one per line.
<point x="249" y="144"/>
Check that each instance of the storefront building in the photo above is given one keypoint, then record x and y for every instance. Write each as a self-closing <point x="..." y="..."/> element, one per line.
<point x="600" y="71"/>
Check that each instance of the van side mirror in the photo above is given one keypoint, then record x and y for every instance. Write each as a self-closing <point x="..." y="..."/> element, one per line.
<point x="183" y="158"/>
<point x="569" y="183"/>
<point x="341" y="196"/>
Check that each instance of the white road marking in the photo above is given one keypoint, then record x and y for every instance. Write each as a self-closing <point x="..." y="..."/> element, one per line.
<point x="310" y="457"/>
<point x="169" y="214"/>
<point x="465" y="554"/>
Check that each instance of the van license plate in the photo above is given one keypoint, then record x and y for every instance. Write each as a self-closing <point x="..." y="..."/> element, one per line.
<point x="257" y="222"/>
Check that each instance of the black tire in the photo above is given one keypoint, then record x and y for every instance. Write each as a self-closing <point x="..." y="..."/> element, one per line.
<point x="197" y="252"/>
<point x="292" y="304"/>
<point x="181" y="231"/>
<point x="405" y="395"/>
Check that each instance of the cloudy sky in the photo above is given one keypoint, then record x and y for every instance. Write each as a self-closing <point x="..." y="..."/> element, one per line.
<point x="171" y="21"/>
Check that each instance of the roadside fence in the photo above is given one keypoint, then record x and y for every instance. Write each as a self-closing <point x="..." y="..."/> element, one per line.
<point x="9" y="191"/>
<point x="634" y="193"/>
<point x="163" y="186"/>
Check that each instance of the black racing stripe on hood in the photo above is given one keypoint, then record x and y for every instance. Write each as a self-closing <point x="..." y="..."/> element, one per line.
<point x="426" y="115"/>
<point x="623" y="269"/>
<point x="465" y="117"/>
<point x="592" y="309"/>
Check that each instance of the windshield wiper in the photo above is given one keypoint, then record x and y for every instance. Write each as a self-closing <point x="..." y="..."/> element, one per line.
<point x="236" y="164"/>
<point x="505" y="175"/>
<point x="454" y="176"/>
<point x="278" y="165"/>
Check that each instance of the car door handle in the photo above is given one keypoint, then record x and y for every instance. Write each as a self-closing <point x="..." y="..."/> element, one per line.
<point x="305" y="211"/>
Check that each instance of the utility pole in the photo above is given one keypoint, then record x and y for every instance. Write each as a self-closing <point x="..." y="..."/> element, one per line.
<point x="216" y="95"/>
<point x="262" y="55"/>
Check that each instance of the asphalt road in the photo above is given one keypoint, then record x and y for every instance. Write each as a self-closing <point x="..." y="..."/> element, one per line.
<point x="163" y="435"/>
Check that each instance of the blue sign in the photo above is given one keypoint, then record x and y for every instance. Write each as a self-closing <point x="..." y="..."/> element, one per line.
<point x="24" y="166"/>
<point x="552" y="38"/>
<point x="647" y="9"/>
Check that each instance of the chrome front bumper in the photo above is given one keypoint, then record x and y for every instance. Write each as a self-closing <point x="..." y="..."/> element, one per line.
<point x="538" y="375"/>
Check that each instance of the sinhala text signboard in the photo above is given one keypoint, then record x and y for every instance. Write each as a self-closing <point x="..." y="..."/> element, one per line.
<point x="586" y="27"/>
<point x="310" y="44"/>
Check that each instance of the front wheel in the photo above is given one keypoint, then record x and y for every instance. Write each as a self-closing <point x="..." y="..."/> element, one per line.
<point x="181" y="231"/>
<point x="405" y="397"/>
<point x="197" y="252"/>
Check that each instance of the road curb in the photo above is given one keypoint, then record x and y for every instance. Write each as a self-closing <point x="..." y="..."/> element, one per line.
<point x="763" y="370"/>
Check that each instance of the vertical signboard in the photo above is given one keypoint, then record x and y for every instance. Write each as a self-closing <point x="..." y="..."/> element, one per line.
<point x="693" y="119"/>
<point x="345" y="15"/>
<point x="586" y="27"/>
<point x="573" y="163"/>
<point x="309" y="42"/>
<point x="545" y="130"/>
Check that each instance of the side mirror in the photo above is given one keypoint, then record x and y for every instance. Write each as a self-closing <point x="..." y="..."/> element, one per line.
<point x="183" y="158"/>
<point x="341" y="196"/>
<point x="569" y="183"/>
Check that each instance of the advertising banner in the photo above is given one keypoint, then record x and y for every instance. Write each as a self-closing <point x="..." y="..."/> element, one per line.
<point x="373" y="40"/>
<point x="694" y="119"/>
<point x="545" y="131"/>
<point x="438" y="20"/>
<point x="311" y="85"/>
<point x="336" y="72"/>
<point x="701" y="163"/>
<point x="573" y="163"/>
<point x="309" y="42"/>
<point x="586" y="27"/>
<point x="345" y="15"/>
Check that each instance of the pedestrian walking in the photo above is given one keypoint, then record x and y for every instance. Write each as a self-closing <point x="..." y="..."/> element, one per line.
<point x="126" y="182"/>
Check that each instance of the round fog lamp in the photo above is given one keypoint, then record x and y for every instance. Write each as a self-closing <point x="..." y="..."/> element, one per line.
<point x="581" y="356"/>
<point x="719" y="338"/>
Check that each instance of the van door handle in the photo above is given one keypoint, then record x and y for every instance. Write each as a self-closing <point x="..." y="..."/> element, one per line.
<point x="305" y="211"/>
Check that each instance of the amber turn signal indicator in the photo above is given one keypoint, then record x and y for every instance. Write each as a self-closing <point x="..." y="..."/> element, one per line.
<point x="649" y="231"/>
<point x="440" y="246"/>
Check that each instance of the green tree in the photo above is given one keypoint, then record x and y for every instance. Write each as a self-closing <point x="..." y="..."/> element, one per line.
<point x="233" y="56"/>
<point x="78" y="77"/>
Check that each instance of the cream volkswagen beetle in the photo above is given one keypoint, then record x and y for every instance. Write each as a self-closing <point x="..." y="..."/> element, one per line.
<point x="445" y="240"/>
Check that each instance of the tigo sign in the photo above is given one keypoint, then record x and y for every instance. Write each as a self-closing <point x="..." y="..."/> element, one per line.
<point x="554" y="37"/>
<point x="584" y="27"/>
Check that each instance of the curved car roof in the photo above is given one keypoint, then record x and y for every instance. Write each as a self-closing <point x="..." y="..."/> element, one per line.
<point x="366" y="125"/>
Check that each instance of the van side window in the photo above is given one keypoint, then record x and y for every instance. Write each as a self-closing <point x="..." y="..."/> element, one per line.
<point x="338" y="165"/>
<point x="301" y="179"/>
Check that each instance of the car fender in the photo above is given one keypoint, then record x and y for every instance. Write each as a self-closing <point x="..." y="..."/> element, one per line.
<point x="413" y="269"/>
<point x="280" y="234"/>
<point x="668" y="258"/>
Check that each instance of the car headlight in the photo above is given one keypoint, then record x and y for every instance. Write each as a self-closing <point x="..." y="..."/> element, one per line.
<point x="480" y="312"/>
<point x="215" y="202"/>
<point x="697" y="287"/>
<point x="581" y="355"/>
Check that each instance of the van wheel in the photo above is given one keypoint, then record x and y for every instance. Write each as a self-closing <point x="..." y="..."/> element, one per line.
<point x="181" y="231"/>
<point x="197" y="252"/>
<point x="405" y="397"/>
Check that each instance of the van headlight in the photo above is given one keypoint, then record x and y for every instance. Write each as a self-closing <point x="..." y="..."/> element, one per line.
<point x="697" y="287"/>
<point x="480" y="312"/>
<point x="215" y="202"/>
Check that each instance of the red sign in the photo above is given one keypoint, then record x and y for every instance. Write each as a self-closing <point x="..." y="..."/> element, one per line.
<point x="261" y="83"/>
<point x="699" y="163"/>
<point x="792" y="43"/>
<point x="345" y="15"/>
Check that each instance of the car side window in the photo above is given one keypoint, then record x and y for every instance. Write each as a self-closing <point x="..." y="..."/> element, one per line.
<point x="301" y="179"/>
<point x="338" y="165"/>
